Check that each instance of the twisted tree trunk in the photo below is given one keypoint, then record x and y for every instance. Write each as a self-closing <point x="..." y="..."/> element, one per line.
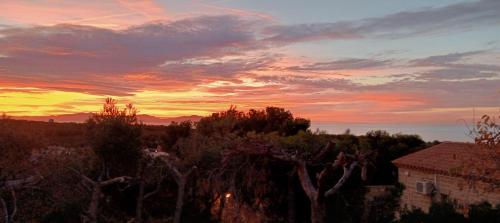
<point x="93" y="209"/>
<point x="180" y="179"/>
<point x="11" y="186"/>
<point x="318" y="212"/>
<point x="181" y="187"/>
<point x="291" y="200"/>
<point x="94" y="203"/>
<point x="140" y="196"/>
<point x="5" y="210"/>
<point x="140" y="202"/>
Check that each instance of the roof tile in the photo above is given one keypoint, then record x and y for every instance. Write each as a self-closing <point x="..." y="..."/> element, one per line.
<point x="449" y="158"/>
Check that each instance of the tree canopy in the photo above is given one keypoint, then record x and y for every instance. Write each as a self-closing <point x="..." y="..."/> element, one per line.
<point x="255" y="166"/>
<point x="272" y="119"/>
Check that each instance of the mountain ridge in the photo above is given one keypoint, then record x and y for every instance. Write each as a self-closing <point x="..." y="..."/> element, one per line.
<point x="82" y="117"/>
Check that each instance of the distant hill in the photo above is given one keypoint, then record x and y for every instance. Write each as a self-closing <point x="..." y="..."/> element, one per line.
<point x="81" y="117"/>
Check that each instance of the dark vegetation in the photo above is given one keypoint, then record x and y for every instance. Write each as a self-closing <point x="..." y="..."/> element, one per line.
<point x="232" y="166"/>
<point x="445" y="212"/>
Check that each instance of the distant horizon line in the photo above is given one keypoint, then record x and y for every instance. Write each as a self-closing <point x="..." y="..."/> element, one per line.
<point x="456" y="131"/>
<point x="80" y="117"/>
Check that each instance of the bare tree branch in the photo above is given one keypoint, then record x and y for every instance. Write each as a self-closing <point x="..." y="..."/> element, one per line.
<point x="156" y="190"/>
<point x="14" y="205"/>
<point x="114" y="180"/>
<point x="5" y="210"/>
<point x="342" y="180"/>
<point x="170" y="166"/>
<point x="180" y="179"/>
<point x="305" y="181"/>
<point x="322" y="154"/>
<point x="18" y="183"/>
<point x="158" y="186"/>
<point x="96" y="188"/>
<point x="83" y="176"/>
<point x="324" y="177"/>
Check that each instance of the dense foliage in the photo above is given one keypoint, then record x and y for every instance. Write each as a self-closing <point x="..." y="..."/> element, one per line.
<point x="272" y="119"/>
<point x="446" y="212"/>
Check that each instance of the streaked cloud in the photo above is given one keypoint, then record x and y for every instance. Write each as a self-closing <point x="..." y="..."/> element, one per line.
<point x="443" y="60"/>
<point x="345" y="64"/>
<point x="71" y="53"/>
<point x="104" y="14"/>
<point x="451" y="18"/>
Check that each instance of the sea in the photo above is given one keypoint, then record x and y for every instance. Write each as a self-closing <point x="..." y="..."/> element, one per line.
<point x="456" y="132"/>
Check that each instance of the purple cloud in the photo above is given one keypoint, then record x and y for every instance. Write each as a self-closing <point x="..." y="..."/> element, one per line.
<point x="442" y="60"/>
<point x="91" y="59"/>
<point x="459" y="16"/>
<point x="71" y="49"/>
<point x="216" y="70"/>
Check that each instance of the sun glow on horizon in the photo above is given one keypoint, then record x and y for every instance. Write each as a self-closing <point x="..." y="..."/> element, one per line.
<point x="40" y="102"/>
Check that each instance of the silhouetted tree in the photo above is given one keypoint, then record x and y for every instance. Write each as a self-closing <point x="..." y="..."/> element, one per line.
<point x="114" y="135"/>
<point x="386" y="148"/>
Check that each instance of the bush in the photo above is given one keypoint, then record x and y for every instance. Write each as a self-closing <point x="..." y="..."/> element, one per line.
<point x="484" y="213"/>
<point x="176" y="131"/>
<point x="445" y="212"/>
<point x="414" y="216"/>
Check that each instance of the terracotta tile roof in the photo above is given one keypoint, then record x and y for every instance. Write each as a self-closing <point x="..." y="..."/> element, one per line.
<point x="447" y="158"/>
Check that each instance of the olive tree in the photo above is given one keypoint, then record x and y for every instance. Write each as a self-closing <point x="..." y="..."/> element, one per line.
<point x="114" y="136"/>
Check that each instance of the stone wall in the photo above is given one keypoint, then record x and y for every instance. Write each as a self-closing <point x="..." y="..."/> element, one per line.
<point x="458" y="190"/>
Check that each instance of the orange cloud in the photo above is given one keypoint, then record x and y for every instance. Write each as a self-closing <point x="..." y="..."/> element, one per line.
<point x="148" y="8"/>
<point x="109" y="14"/>
<point x="239" y="12"/>
<point x="389" y="100"/>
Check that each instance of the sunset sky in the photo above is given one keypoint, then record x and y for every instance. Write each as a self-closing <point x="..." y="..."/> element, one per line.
<point x="351" y="61"/>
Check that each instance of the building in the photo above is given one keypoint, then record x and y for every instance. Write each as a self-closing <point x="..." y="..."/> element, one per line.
<point x="443" y="172"/>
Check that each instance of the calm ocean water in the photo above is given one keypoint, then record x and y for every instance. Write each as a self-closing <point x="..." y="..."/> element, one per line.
<point x="443" y="132"/>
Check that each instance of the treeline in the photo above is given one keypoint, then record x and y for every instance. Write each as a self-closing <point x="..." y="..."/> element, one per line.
<point x="49" y="133"/>
<point x="68" y="134"/>
<point x="233" y="166"/>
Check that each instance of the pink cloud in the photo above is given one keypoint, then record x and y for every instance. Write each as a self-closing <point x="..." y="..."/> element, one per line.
<point x="98" y="13"/>
<point x="148" y="8"/>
